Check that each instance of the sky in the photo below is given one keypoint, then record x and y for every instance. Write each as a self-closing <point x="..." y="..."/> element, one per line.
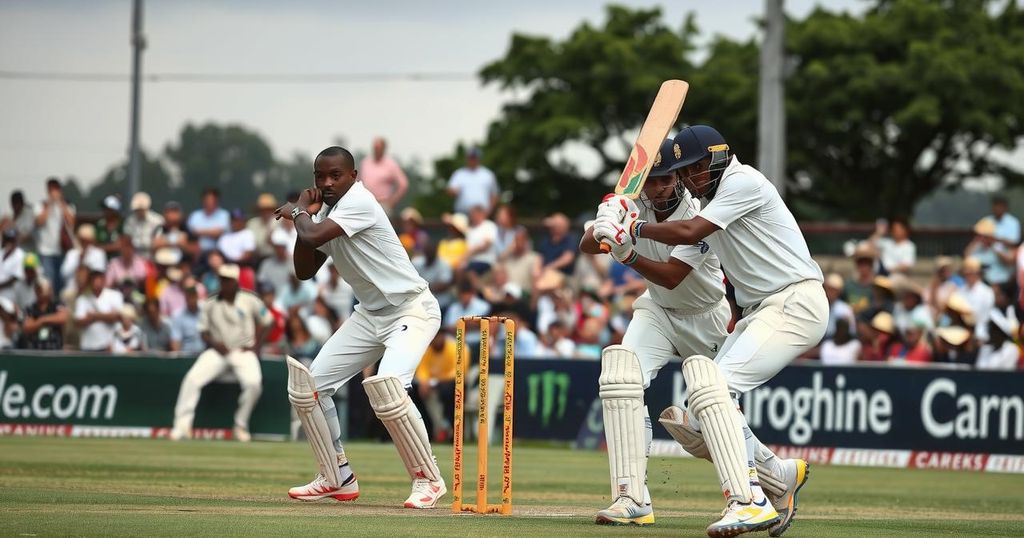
<point x="81" y="128"/>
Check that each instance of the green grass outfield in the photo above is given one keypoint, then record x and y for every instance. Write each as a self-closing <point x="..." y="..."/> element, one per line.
<point x="52" y="486"/>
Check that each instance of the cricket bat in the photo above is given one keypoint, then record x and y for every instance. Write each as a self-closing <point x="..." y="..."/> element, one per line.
<point x="662" y="116"/>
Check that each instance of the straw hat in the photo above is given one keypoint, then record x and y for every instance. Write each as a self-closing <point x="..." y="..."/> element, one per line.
<point x="229" y="270"/>
<point x="865" y="250"/>
<point x="883" y="322"/>
<point x="971" y="265"/>
<point x="943" y="262"/>
<point x="87" y="232"/>
<point x="458" y="221"/>
<point x="955" y="335"/>
<point x="411" y="213"/>
<point x="128" y="311"/>
<point x="884" y="282"/>
<point x="551" y="279"/>
<point x="266" y="201"/>
<point x="834" y="281"/>
<point x="141" y="200"/>
<point x="985" y="227"/>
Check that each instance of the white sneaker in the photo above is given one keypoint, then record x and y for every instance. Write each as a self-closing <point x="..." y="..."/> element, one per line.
<point x="797" y="471"/>
<point x="425" y="493"/>
<point x="739" y="518"/>
<point x="178" y="435"/>
<point x="319" y="488"/>
<point x="241" y="435"/>
<point x="625" y="511"/>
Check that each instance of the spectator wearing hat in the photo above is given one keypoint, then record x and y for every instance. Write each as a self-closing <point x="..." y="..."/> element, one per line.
<point x="841" y="349"/>
<point x="263" y="225"/>
<point x="25" y="290"/>
<point x="859" y="288"/>
<point x="185" y="337"/>
<point x="110" y="227"/>
<point x="996" y="259"/>
<point x="55" y="218"/>
<point x="276" y="270"/>
<point x="913" y="346"/>
<point x="128" y="265"/>
<point x="910" y="309"/>
<point x="43" y="326"/>
<point x="413" y="237"/>
<point x="943" y="283"/>
<point x="128" y="337"/>
<point x="239" y="244"/>
<point x="558" y="247"/>
<point x="881" y="338"/>
<point x="210" y="221"/>
<point x="896" y="251"/>
<point x="156" y="329"/>
<point x="232" y="324"/>
<point x="452" y="249"/>
<point x="837" y="307"/>
<point x="86" y="253"/>
<point x="383" y="177"/>
<point x="21" y="220"/>
<point x="97" y="313"/>
<point x="437" y="273"/>
<point x="12" y="264"/>
<point x="473" y="185"/>
<point x="142" y="223"/>
<point x="883" y="299"/>
<point x="1000" y="352"/>
<point x="956" y="313"/>
<point x="954" y="345"/>
<point x="978" y="294"/>
<point x="173" y="233"/>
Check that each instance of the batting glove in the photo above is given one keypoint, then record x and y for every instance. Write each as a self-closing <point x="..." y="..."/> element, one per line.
<point x="617" y="238"/>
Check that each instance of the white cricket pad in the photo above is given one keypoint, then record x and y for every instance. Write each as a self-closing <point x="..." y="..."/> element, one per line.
<point x="721" y="423"/>
<point x="394" y="408"/>
<point x="677" y="424"/>
<point x="304" y="398"/>
<point x="622" y="398"/>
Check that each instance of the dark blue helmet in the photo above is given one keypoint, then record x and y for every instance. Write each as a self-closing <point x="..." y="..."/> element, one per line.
<point x="697" y="142"/>
<point x="664" y="160"/>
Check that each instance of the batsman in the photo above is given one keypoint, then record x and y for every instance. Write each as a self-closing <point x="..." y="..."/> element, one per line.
<point x="779" y="286"/>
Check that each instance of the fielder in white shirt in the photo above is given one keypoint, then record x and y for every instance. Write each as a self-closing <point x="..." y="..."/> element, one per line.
<point x="778" y="285"/>
<point x="395" y="320"/>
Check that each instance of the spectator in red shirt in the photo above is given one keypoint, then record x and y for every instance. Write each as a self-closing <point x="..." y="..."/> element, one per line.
<point x="880" y="342"/>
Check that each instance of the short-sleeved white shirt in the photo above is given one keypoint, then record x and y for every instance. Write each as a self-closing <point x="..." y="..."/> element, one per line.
<point x="475" y="188"/>
<point x="11" y="266"/>
<point x="234" y="323"/>
<point x="234" y="245"/>
<point x="704" y="286"/>
<point x="760" y="245"/>
<point x="478" y="235"/>
<point x="369" y="256"/>
<point x="99" y="335"/>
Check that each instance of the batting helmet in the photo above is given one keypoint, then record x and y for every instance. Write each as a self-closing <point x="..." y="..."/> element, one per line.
<point x="697" y="142"/>
<point x="664" y="160"/>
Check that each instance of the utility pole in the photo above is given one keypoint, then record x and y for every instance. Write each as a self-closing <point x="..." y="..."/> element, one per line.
<point x="771" y="118"/>
<point x="138" y="44"/>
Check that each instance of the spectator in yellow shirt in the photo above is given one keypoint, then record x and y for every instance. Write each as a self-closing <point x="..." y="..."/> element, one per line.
<point x="452" y="249"/>
<point x="435" y="381"/>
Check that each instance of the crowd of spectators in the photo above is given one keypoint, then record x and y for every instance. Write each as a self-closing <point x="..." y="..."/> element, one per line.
<point x="134" y="279"/>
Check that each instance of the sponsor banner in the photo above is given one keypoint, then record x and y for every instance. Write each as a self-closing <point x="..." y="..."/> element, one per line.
<point x="104" y="396"/>
<point x="805" y="405"/>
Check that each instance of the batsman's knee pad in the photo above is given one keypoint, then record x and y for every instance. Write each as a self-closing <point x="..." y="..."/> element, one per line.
<point x="392" y="405"/>
<point x="625" y="419"/>
<point x="304" y="398"/>
<point x="712" y="404"/>
<point x="678" y="424"/>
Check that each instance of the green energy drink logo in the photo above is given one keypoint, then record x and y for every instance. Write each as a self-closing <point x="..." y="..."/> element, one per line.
<point x="549" y="395"/>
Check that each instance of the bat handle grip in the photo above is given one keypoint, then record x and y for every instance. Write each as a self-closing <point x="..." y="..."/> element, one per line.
<point x="605" y="248"/>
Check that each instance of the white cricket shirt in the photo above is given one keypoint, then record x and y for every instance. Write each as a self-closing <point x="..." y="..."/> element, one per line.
<point x="99" y="335"/>
<point x="760" y="245"/>
<point x="704" y="286"/>
<point x="369" y="257"/>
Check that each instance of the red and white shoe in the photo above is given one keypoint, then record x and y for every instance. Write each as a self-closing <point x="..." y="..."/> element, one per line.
<point x="320" y="489"/>
<point x="425" y="493"/>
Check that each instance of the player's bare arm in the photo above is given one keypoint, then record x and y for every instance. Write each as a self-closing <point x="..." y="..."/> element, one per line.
<point x="678" y="232"/>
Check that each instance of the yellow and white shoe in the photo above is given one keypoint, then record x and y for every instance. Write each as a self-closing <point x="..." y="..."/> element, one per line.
<point x="739" y="518"/>
<point x="797" y="472"/>
<point x="625" y="511"/>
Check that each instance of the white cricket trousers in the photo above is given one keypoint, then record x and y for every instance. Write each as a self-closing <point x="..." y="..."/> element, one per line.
<point x="209" y="365"/>
<point x="772" y="334"/>
<point x="397" y="335"/>
<point x="658" y="334"/>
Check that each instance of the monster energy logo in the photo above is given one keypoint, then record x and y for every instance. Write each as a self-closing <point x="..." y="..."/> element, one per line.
<point x="543" y="387"/>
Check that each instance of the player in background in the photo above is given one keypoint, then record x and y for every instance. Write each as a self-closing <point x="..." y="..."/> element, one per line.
<point x="395" y="320"/>
<point x="778" y="286"/>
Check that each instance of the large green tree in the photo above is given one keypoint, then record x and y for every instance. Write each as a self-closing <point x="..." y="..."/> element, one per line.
<point x="882" y="108"/>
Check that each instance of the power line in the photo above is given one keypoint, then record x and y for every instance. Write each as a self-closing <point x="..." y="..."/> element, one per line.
<point x="244" y="78"/>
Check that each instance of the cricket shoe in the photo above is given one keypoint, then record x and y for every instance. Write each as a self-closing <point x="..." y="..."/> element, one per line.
<point x="625" y="511"/>
<point x="425" y="492"/>
<point x="739" y="518"/>
<point x="319" y="488"/>
<point x="241" y="435"/>
<point x="797" y="472"/>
